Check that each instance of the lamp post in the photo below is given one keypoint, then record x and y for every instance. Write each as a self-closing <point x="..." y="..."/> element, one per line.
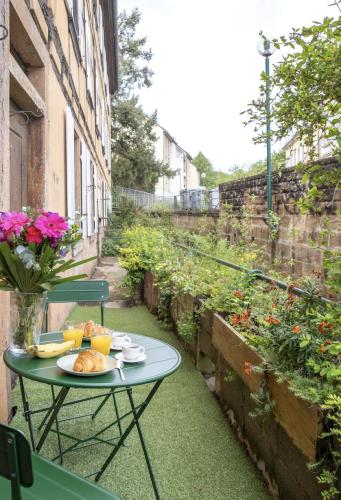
<point x="266" y="49"/>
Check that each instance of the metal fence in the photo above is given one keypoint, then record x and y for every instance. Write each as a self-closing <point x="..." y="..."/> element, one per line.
<point x="123" y="197"/>
<point x="200" y="199"/>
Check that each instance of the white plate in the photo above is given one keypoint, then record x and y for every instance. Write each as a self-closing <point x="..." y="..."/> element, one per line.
<point x="140" y="358"/>
<point x="115" y="333"/>
<point x="66" y="364"/>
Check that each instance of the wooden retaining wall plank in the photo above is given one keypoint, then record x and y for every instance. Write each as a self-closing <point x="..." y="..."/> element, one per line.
<point x="236" y="352"/>
<point x="301" y="419"/>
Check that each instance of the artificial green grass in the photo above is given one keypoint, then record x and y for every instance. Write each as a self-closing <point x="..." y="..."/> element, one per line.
<point x="194" y="453"/>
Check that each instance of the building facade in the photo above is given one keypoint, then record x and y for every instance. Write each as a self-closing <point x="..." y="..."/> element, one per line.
<point x="169" y="152"/>
<point x="58" y="70"/>
<point x="296" y="152"/>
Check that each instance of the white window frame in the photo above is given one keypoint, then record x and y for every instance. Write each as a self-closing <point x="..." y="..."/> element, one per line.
<point x="70" y="164"/>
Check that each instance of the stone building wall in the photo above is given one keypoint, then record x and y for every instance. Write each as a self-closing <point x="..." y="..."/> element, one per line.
<point x="294" y="248"/>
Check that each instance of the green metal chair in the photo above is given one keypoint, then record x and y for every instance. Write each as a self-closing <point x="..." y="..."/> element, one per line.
<point x="79" y="291"/>
<point x="24" y="475"/>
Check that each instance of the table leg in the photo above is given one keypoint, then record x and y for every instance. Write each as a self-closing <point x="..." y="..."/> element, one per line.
<point x="57" y="428"/>
<point x="137" y="416"/>
<point x="27" y="412"/>
<point x="56" y="407"/>
<point x="117" y="414"/>
<point x="48" y="413"/>
<point x="101" y="405"/>
<point x="111" y="393"/>
<point x="139" y="430"/>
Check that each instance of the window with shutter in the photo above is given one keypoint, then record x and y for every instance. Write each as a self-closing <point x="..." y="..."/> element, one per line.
<point x="84" y="155"/>
<point x="88" y="52"/>
<point x="96" y="200"/>
<point x="89" y="191"/>
<point x="78" y="180"/>
<point x="103" y="120"/>
<point x="70" y="164"/>
<point x="69" y="4"/>
<point x="81" y="36"/>
<point x="101" y="32"/>
<point x="96" y="99"/>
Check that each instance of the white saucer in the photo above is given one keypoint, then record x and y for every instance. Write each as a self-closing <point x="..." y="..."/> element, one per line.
<point x="140" y="358"/>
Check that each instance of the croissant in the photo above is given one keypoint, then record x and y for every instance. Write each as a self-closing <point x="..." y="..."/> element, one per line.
<point x="89" y="361"/>
<point x="88" y="328"/>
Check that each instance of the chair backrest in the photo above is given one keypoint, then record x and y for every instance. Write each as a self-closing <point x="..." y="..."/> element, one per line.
<point x="15" y="459"/>
<point x="79" y="291"/>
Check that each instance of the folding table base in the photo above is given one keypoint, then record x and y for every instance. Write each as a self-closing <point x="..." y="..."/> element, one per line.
<point x="58" y="402"/>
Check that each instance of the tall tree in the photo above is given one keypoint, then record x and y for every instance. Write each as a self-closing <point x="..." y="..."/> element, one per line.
<point x="209" y="177"/>
<point x="134" y="164"/>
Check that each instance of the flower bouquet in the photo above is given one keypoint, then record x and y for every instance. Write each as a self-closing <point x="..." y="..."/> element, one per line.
<point x="33" y="245"/>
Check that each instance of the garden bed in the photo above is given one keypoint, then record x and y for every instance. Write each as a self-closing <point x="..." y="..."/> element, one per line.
<point x="281" y="443"/>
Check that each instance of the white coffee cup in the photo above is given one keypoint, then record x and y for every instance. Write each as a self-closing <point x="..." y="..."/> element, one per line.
<point x="132" y="351"/>
<point x="120" y="340"/>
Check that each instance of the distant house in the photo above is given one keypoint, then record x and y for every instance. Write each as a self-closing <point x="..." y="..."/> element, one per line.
<point x="296" y="152"/>
<point x="58" y="71"/>
<point x="180" y="162"/>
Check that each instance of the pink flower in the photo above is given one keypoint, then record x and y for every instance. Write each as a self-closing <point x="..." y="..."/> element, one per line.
<point x="13" y="222"/>
<point x="33" y="235"/>
<point x="51" y="225"/>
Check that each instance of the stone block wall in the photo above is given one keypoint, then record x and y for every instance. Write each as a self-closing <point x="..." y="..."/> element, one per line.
<point x="294" y="249"/>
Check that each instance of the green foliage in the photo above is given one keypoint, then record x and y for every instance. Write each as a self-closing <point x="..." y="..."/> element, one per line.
<point x="134" y="164"/>
<point x="258" y="167"/>
<point x="188" y="327"/>
<point x="134" y="57"/>
<point x="306" y="100"/>
<point x="110" y="248"/>
<point x="299" y="337"/>
<point x="230" y="375"/>
<point x="264" y="403"/>
<point x="209" y="177"/>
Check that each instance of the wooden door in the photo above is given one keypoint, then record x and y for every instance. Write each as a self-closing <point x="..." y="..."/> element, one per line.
<point x="18" y="159"/>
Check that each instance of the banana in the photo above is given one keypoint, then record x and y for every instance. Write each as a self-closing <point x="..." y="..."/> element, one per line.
<point x="50" y="350"/>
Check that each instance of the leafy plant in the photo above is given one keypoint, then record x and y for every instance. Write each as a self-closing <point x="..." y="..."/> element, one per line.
<point x="188" y="327"/>
<point x="264" y="403"/>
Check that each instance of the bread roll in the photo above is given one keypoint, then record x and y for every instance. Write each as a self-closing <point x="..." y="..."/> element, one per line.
<point x="89" y="361"/>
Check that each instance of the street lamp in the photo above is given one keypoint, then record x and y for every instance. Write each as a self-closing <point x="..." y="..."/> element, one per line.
<point x="266" y="48"/>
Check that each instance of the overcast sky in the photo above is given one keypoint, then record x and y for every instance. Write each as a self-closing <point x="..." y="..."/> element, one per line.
<point x="207" y="67"/>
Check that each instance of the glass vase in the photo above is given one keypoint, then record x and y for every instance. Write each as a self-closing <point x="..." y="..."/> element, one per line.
<point x="26" y="320"/>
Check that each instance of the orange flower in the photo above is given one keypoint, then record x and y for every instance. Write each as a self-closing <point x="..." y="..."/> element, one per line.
<point x="245" y="316"/>
<point x="325" y="325"/>
<point x="235" y="319"/>
<point x="296" y="329"/>
<point x="322" y="348"/>
<point x="238" y="294"/>
<point x="272" y="321"/>
<point x="247" y="368"/>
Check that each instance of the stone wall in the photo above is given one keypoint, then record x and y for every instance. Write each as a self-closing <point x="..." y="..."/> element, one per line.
<point x="293" y="247"/>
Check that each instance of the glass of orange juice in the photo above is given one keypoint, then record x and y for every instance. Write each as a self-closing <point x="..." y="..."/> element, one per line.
<point x="73" y="331"/>
<point x="101" y="342"/>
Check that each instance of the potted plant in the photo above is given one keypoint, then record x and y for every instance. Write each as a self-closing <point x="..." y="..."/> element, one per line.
<point x="33" y="245"/>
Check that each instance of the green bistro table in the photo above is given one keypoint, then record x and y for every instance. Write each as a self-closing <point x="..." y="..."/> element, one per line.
<point x="162" y="360"/>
